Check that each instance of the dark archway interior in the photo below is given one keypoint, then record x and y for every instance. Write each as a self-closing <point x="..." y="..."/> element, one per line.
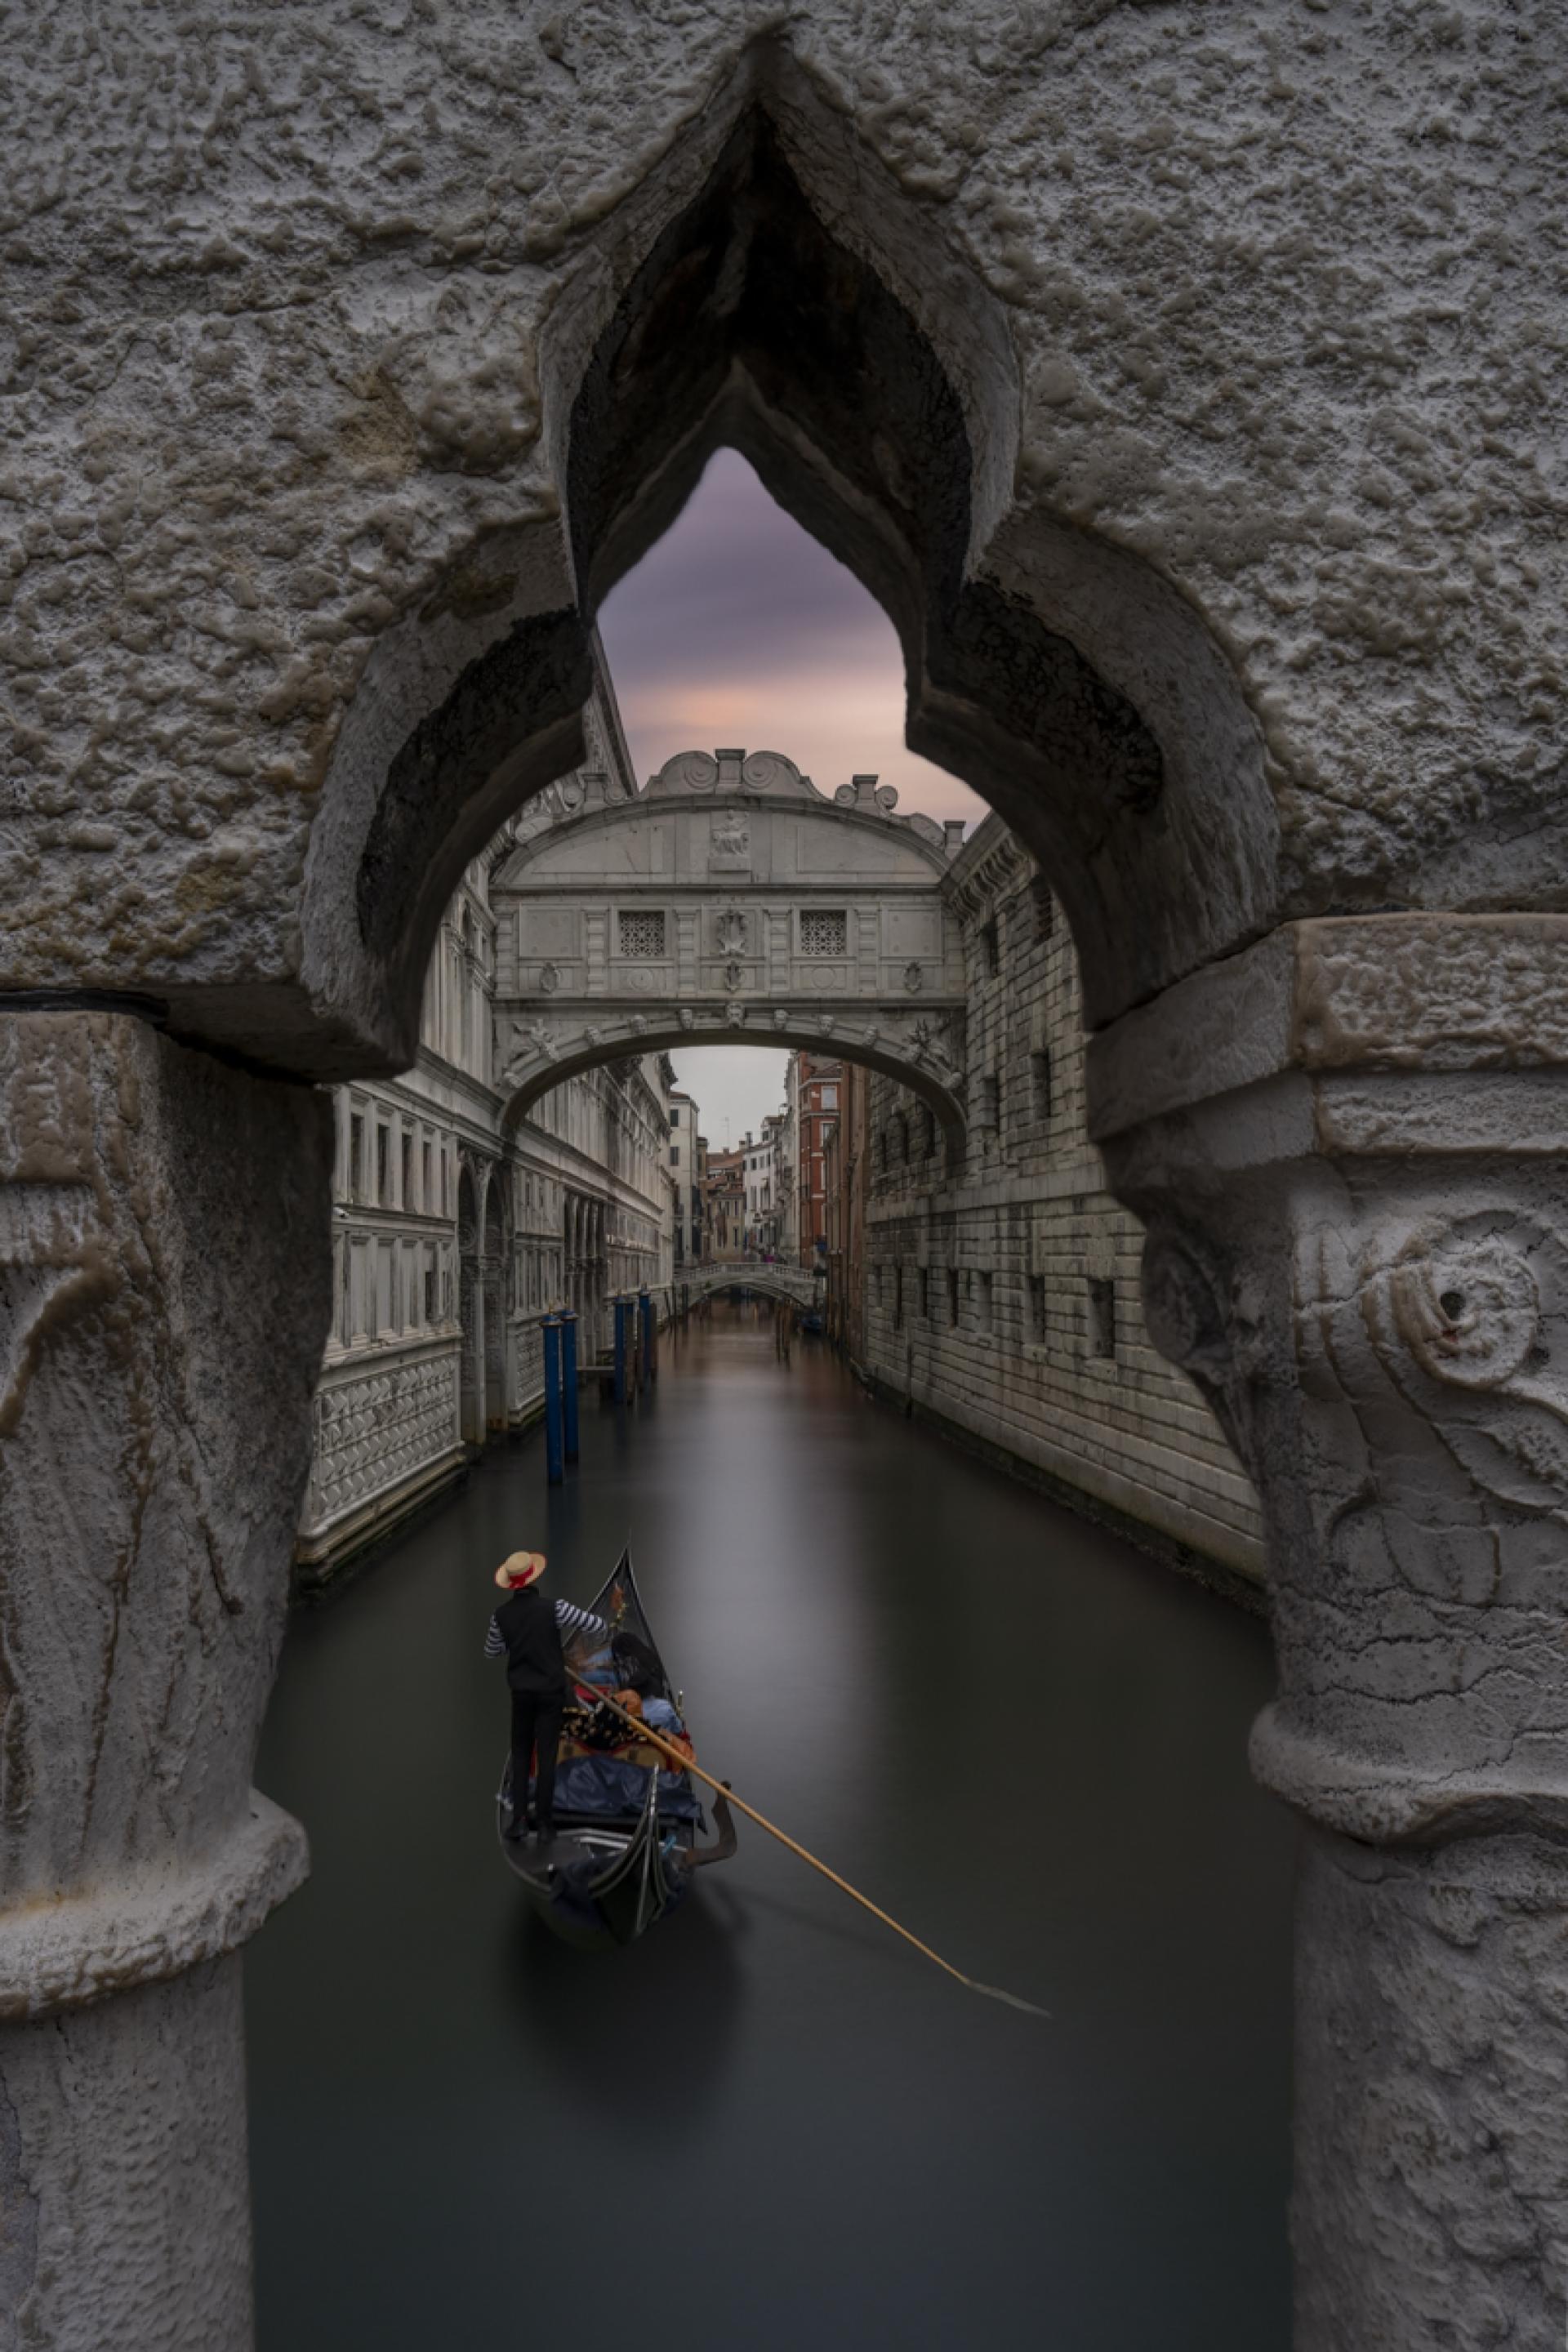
<point x="748" y="323"/>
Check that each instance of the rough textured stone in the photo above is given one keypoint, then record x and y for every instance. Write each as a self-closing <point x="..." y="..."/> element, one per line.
<point x="1431" y="2205"/>
<point x="164" y="1276"/>
<point x="1244" y="424"/>
<point x="124" y="2197"/>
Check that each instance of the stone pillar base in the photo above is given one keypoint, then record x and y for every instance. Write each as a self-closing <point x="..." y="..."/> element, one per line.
<point x="124" y="2196"/>
<point x="1431" y="2196"/>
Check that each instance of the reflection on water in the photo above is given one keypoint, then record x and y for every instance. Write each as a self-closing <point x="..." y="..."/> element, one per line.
<point x="770" y="2123"/>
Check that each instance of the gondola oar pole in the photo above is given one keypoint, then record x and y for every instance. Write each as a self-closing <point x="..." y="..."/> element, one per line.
<point x="684" y="1763"/>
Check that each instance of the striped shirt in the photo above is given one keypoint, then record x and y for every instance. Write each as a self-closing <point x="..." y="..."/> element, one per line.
<point x="568" y="1616"/>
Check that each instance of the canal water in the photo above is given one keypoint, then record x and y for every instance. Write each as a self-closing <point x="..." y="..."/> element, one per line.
<point x="771" y="2126"/>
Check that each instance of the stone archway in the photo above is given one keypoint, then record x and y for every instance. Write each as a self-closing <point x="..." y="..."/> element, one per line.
<point x="1133" y="574"/>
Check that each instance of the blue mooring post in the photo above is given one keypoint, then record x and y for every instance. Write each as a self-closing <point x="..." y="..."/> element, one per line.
<point x="555" y="1472"/>
<point x="620" y="1350"/>
<point x="569" y="1383"/>
<point x="645" y="1308"/>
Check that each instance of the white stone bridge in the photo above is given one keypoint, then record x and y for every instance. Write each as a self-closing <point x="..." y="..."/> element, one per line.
<point x="794" y="1283"/>
<point x="728" y="902"/>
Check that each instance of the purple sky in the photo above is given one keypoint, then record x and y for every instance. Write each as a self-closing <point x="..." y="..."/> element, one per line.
<point x="737" y="628"/>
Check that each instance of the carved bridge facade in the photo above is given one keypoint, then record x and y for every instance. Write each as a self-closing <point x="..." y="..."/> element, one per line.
<point x="728" y="902"/>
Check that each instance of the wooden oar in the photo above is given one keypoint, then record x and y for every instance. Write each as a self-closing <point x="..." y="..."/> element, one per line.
<point x="684" y="1763"/>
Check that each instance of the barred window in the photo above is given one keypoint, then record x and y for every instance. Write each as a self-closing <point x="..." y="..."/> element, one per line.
<point x="1101" y="1315"/>
<point x="825" y="931"/>
<point x="642" y="936"/>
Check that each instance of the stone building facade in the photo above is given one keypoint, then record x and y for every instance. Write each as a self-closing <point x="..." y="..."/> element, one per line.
<point x="814" y="1107"/>
<point x="457" y="1228"/>
<point x="725" y="1207"/>
<point x="1002" y="1296"/>
<point x="689" y="1178"/>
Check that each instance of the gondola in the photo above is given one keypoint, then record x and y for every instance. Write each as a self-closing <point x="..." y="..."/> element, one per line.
<point x="627" y="1821"/>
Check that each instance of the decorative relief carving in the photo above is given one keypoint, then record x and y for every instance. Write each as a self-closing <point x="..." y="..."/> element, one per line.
<point x="549" y="979"/>
<point x="730" y="932"/>
<point x="698" y="771"/>
<point x="914" y="979"/>
<point x="53" y="1262"/>
<point x="1468" y="1309"/>
<point x="765" y="772"/>
<point x="1463" y="1314"/>
<point x="373" y="1433"/>
<point x="729" y="844"/>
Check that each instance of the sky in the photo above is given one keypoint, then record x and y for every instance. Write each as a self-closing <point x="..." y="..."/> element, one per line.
<point x="738" y="629"/>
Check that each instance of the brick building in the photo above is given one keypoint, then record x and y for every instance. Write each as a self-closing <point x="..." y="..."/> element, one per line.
<point x="814" y="1084"/>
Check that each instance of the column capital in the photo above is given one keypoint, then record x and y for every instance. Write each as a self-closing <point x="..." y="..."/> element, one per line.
<point x="1347" y="1147"/>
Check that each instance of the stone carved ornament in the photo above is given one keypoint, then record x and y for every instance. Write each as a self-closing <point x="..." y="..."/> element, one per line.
<point x="1463" y="1317"/>
<point x="1460" y="1315"/>
<point x="54" y="1261"/>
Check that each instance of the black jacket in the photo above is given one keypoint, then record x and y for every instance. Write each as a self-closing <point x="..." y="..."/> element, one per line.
<point x="534" y="1659"/>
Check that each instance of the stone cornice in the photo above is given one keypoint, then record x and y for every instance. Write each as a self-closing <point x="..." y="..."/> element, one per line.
<point x="1401" y="997"/>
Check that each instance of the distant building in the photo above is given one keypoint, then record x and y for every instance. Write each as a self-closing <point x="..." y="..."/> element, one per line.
<point x="847" y="1156"/>
<point x="688" y="1157"/>
<point x="726" y="1202"/>
<point x="766" y="1178"/>
<point x="814" y="1083"/>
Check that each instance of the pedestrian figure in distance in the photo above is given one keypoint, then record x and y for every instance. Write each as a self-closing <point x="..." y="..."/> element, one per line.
<point x="526" y="1631"/>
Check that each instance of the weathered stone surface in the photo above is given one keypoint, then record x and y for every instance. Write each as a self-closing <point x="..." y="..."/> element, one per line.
<point x="163" y="1294"/>
<point x="152" y="1199"/>
<point x="1237" y="434"/>
<point x="1431" y="2203"/>
<point x="124" y="2199"/>
<point x="1366" y="1271"/>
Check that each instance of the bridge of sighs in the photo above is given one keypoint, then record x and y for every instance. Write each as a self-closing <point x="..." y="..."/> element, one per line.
<point x="731" y="902"/>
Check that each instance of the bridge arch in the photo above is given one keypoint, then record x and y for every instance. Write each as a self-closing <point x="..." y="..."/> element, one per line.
<point x="794" y="1284"/>
<point x="730" y="902"/>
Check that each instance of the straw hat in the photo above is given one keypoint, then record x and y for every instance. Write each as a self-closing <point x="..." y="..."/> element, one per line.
<point x="520" y="1568"/>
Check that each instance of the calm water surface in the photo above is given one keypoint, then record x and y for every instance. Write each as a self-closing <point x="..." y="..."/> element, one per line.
<point x="769" y="2127"/>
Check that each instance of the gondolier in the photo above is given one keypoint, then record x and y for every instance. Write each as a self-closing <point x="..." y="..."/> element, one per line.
<point x="627" y="1846"/>
<point x="526" y="1631"/>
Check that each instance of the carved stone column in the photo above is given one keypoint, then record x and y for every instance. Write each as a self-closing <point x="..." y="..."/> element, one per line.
<point x="1350" y="1147"/>
<point x="164" y="1293"/>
